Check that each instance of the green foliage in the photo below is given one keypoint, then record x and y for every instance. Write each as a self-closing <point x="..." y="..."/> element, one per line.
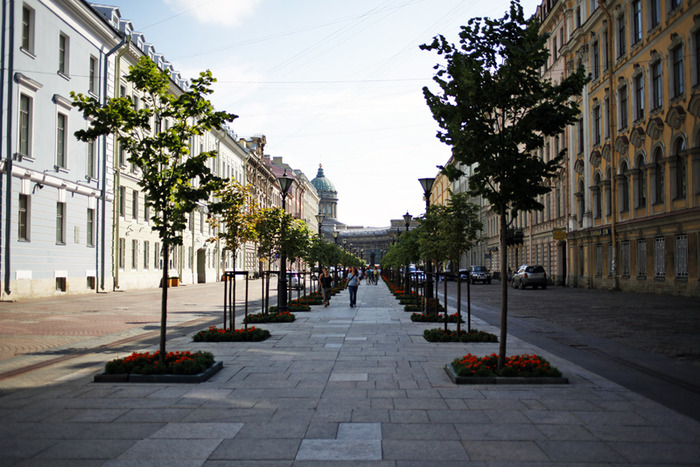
<point x="235" y="215"/>
<point x="284" y="317"/>
<point x="175" y="363"/>
<point x="440" y="335"/>
<point x="214" y="334"/>
<point x="405" y="251"/>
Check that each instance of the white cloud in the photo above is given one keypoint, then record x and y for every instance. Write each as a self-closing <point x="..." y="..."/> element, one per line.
<point x="221" y="12"/>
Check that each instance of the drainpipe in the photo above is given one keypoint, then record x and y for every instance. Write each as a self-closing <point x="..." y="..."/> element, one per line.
<point x="103" y="220"/>
<point x="116" y="169"/>
<point x="8" y="138"/>
<point x="613" y="171"/>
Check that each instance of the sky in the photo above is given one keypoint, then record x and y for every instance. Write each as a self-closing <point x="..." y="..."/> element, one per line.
<point x="329" y="82"/>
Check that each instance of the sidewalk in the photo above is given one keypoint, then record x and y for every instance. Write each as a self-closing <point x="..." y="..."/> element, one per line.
<point x="356" y="386"/>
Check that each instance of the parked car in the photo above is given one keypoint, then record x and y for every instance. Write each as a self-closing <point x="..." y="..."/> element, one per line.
<point x="420" y="276"/>
<point x="480" y="274"/>
<point x="464" y="274"/>
<point x="529" y="275"/>
<point x="296" y="281"/>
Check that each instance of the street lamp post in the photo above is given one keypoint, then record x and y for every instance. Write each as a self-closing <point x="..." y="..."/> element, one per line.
<point x="285" y="182"/>
<point x="427" y="184"/>
<point x="319" y="220"/>
<point x="407" y="279"/>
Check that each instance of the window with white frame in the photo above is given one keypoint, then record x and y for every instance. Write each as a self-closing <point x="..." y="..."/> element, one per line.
<point x="134" y="254"/>
<point x="595" y="57"/>
<point x="93" y="74"/>
<point x="681" y="256"/>
<point x="622" y="107"/>
<point x="23" y="218"/>
<point x="677" y="73"/>
<point x="63" y="54"/>
<point x="135" y="204"/>
<point x="654" y="13"/>
<point x="61" y="140"/>
<point x="659" y="258"/>
<point x="621" y="36"/>
<point x="90" y="228"/>
<point x="146" y="255"/>
<point x="91" y="160"/>
<point x="639" y="97"/>
<point x="625" y="258"/>
<point x="60" y="223"/>
<point x="641" y="258"/>
<point x="636" y="21"/>
<point x="122" y="201"/>
<point x="656" y="85"/>
<point x="28" y="23"/>
<point x="26" y="116"/>
<point x="121" y="253"/>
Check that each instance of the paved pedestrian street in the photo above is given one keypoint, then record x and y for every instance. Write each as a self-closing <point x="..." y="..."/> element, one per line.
<point x="339" y="386"/>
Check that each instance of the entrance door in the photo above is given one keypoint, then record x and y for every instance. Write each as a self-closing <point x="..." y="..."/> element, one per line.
<point x="201" y="266"/>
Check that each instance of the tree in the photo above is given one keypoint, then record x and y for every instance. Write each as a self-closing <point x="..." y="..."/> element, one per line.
<point x="495" y="110"/>
<point x="157" y="137"/>
<point x="235" y="214"/>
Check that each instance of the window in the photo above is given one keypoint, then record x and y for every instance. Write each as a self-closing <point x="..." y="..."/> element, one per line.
<point x="134" y="254"/>
<point x="606" y="58"/>
<point x="677" y="70"/>
<point x="658" y="177"/>
<point x="607" y="120"/>
<point x="90" y="227"/>
<point x="122" y="201"/>
<point x="624" y="188"/>
<point x="580" y="135"/>
<point x="654" y="13"/>
<point x="641" y="187"/>
<point x="622" y="92"/>
<point x="639" y="97"/>
<point x="63" y="54"/>
<point x="598" y="260"/>
<point x="146" y="255"/>
<point x="673" y="4"/>
<point x="135" y="205"/>
<point x="596" y="124"/>
<point x="61" y="223"/>
<point x="121" y="254"/>
<point x="636" y="21"/>
<point x="681" y="178"/>
<point x="608" y="195"/>
<point x="157" y="262"/>
<point x="92" y="84"/>
<point x="578" y="16"/>
<point x="61" y="141"/>
<point x="146" y="210"/>
<point x="555" y="48"/>
<point x="597" y="204"/>
<point x="122" y="156"/>
<point x="90" y="169"/>
<point x="659" y="258"/>
<point x="621" y="39"/>
<point x="681" y="256"/>
<point x="656" y="85"/>
<point x="641" y="258"/>
<point x="25" y="124"/>
<point x="696" y="37"/>
<point x="595" y="66"/>
<point x="27" y="29"/>
<point x="23" y="216"/>
<point x="625" y="258"/>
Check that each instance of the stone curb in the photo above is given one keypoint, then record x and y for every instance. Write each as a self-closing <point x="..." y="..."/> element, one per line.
<point x="127" y="378"/>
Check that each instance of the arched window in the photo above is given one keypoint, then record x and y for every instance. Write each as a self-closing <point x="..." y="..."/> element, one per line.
<point x="659" y="176"/>
<point x="624" y="188"/>
<point x="581" y="204"/>
<point x="681" y="172"/>
<point x="641" y="183"/>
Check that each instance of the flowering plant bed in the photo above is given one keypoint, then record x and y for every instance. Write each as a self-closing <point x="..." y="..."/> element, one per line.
<point x="440" y="335"/>
<point x="434" y="318"/>
<point x="522" y="369"/>
<point x="409" y="301"/>
<point x="419" y="307"/>
<point x="214" y="334"/>
<point x="283" y="317"/>
<point x="179" y="367"/>
<point x="292" y="307"/>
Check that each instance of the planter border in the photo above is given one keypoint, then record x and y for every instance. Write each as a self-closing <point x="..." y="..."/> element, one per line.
<point x="502" y="379"/>
<point x="138" y="378"/>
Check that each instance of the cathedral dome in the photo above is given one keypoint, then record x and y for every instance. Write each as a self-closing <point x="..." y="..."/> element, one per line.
<point x="322" y="184"/>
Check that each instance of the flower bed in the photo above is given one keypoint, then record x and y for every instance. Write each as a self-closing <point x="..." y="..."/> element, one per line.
<point x="516" y="365"/>
<point x="292" y="307"/>
<point x="146" y="363"/>
<point x="440" y="335"/>
<point x="283" y="317"/>
<point x="214" y="334"/>
<point x="434" y="318"/>
<point x="419" y="307"/>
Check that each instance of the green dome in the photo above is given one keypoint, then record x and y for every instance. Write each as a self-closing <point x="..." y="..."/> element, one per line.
<point x="322" y="184"/>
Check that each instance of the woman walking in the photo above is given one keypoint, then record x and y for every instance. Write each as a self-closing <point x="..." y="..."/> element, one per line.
<point x="353" y="281"/>
<point x="325" y="282"/>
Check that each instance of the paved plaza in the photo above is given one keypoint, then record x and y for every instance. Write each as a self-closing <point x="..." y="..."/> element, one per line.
<point x="339" y="386"/>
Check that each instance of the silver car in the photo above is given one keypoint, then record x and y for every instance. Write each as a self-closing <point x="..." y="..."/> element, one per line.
<point x="530" y="276"/>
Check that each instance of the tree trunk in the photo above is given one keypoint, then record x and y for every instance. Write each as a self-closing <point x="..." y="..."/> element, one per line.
<point x="164" y="303"/>
<point x="504" y="292"/>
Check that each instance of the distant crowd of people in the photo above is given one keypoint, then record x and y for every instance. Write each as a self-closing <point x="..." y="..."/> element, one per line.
<point x="353" y="278"/>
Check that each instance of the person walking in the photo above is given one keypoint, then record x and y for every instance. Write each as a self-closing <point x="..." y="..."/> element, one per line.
<point x="368" y="276"/>
<point x="325" y="282"/>
<point x="376" y="276"/>
<point x="353" y="282"/>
